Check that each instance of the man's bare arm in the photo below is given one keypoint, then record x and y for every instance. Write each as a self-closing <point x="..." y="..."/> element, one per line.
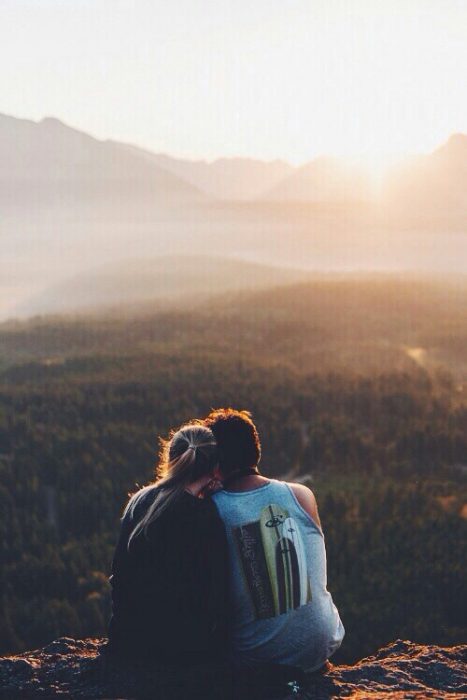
<point x="307" y="500"/>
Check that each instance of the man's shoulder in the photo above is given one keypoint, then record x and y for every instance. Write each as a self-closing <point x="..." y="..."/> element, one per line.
<point x="306" y="499"/>
<point x="219" y="503"/>
<point x="300" y="489"/>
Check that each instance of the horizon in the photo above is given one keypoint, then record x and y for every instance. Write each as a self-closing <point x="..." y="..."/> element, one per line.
<point x="372" y="83"/>
<point x="356" y="160"/>
<point x="341" y="217"/>
<point x="303" y="135"/>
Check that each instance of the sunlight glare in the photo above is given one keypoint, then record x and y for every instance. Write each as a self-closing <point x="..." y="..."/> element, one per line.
<point x="376" y="165"/>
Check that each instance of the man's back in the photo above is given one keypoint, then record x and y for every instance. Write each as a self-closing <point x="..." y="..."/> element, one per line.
<point x="281" y="609"/>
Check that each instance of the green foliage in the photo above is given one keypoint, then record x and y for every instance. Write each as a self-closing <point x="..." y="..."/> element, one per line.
<point x="396" y="566"/>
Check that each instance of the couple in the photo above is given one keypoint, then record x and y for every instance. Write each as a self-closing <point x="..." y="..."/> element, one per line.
<point x="215" y="561"/>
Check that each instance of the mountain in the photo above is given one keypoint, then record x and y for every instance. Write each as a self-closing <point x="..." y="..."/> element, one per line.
<point x="224" y="178"/>
<point x="323" y="180"/>
<point x="49" y="162"/>
<point x="159" y="280"/>
<point x="426" y="189"/>
<point x="70" y="203"/>
<point x="433" y="185"/>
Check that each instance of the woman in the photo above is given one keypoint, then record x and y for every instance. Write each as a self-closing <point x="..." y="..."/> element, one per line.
<point x="169" y="571"/>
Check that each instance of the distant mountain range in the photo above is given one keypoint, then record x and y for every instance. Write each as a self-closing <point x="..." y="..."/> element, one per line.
<point x="225" y="178"/>
<point x="37" y="156"/>
<point x="49" y="162"/>
<point x="71" y="204"/>
<point x="323" y="180"/>
<point x="433" y="184"/>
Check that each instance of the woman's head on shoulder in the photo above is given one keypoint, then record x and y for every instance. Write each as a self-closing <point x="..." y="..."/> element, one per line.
<point x="188" y="462"/>
<point x="189" y="453"/>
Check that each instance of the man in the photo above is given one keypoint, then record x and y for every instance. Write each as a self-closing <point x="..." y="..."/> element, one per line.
<point x="281" y="609"/>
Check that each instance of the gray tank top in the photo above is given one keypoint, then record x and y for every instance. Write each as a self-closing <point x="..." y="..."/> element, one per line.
<point x="281" y="609"/>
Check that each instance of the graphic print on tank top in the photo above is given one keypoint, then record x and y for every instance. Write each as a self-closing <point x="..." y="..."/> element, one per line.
<point x="274" y="562"/>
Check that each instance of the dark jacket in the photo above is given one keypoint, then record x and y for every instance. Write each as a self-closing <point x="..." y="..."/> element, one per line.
<point x="169" y="589"/>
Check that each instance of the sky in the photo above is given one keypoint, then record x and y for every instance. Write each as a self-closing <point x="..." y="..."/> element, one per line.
<point x="291" y="79"/>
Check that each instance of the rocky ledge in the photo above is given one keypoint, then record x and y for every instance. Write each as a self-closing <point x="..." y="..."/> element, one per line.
<point x="69" y="668"/>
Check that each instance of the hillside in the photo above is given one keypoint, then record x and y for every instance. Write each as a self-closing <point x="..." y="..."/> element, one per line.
<point x="433" y="185"/>
<point x="49" y="163"/>
<point x="224" y="178"/>
<point x="161" y="281"/>
<point x="324" y="180"/>
<point x="349" y="322"/>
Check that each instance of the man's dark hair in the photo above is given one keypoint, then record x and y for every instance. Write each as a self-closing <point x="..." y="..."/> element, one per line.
<point x="237" y="439"/>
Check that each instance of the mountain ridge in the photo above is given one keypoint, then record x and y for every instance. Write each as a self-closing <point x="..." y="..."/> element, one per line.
<point x="274" y="179"/>
<point x="234" y="178"/>
<point x="71" y="202"/>
<point x="33" y="154"/>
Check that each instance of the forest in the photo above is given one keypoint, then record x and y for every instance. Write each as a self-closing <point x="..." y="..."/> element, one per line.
<point x="358" y="390"/>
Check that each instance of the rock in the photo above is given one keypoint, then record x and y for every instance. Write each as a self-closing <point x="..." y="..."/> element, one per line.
<point x="69" y="668"/>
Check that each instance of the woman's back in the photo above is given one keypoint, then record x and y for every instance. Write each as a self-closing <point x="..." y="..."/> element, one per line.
<point x="168" y="586"/>
<point x="281" y="609"/>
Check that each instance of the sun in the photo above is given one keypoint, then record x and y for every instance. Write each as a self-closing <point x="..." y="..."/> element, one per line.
<point x="376" y="165"/>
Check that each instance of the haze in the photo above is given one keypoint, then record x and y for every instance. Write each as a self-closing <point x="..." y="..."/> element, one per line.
<point x="318" y="136"/>
<point x="210" y="78"/>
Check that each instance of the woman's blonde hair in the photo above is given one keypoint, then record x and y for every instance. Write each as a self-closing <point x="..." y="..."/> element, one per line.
<point x="188" y="454"/>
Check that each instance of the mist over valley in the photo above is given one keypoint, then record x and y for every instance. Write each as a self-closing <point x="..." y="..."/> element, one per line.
<point x="73" y="205"/>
